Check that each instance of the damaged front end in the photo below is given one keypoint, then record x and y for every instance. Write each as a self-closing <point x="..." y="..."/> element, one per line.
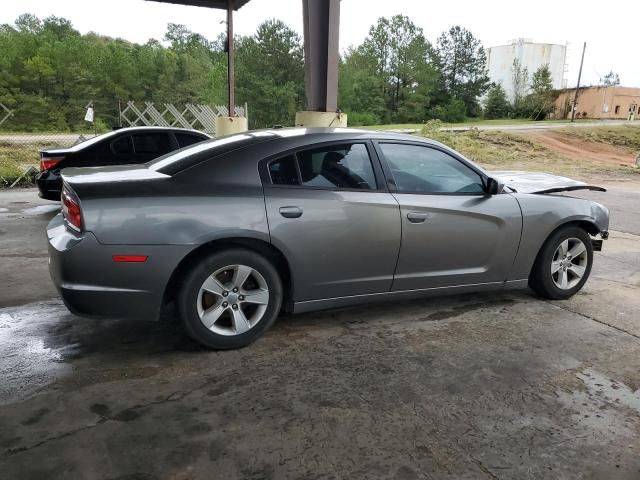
<point x="545" y="183"/>
<point x="537" y="182"/>
<point x="600" y="214"/>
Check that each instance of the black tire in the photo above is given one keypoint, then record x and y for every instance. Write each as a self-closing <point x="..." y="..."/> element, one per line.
<point x="205" y="267"/>
<point x="541" y="280"/>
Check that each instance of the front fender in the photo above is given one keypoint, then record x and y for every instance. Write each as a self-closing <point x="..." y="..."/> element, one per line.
<point x="542" y="215"/>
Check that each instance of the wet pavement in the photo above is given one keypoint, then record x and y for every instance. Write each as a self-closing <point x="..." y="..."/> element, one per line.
<point x="501" y="385"/>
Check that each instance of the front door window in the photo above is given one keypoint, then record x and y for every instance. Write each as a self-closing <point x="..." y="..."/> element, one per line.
<point x="418" y="169"/>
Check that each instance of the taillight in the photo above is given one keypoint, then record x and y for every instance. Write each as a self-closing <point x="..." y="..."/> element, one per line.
<point x="71" y="211"/>
<point x="47" y="163"/>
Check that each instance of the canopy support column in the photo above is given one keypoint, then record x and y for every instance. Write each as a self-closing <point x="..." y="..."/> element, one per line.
<point x="321" y="20"/>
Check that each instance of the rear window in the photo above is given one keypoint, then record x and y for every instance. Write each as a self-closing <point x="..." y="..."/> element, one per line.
<point x="179" y="160"/>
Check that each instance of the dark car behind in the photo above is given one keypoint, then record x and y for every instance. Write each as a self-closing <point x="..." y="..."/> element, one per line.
<point x="120" y="147"/>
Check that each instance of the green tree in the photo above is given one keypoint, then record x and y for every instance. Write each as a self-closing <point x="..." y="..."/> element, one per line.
<point x="539" y="103"/>
<point x="452" y="111"/>
<point x="28" y="23"/>
<point x="496" y="103"/>
<point x="399" y="57"/>
<point x="360" y="89"/>
<point x="270" y="74"/>
<point x="463" y="63"/>
<point x="520" y="82"/>
<point x="377" y="48"/>
<point x="610" y="79"/>
<point x="49" y="72"/>
<point x="183" y="39"/>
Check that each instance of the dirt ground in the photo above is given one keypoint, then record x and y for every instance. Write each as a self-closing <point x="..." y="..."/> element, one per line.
<point x="579" y="149"/>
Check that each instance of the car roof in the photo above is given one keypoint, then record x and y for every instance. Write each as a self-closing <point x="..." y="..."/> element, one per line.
<point x="330" y="133"/>
<point x="277" y="139"/>
<point x="160" y="128"/>
<point x="109" y="135"/>
<point x="324" y="134"/>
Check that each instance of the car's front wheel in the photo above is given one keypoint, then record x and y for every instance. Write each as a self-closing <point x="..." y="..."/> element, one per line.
<point x="230" y="298"/>
<point x="563" y="264"/>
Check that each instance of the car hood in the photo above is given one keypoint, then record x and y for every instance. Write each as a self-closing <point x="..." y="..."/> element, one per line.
<point x="537" y="182"/>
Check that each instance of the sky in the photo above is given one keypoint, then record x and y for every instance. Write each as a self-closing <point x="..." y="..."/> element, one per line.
<point x="611" y="42"/>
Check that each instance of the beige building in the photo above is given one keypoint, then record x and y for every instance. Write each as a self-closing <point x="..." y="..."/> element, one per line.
<point x="600" y="102"/>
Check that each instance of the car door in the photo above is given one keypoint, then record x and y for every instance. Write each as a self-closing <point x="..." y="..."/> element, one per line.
<point x="453" y="233"/>
<point x="334" y="220"/>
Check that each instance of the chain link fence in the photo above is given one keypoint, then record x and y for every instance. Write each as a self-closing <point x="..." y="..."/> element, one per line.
<point x="20" y="154"/>
<point x="20" y="150"/>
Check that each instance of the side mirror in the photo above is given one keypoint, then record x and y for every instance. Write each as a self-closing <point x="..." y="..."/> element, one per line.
<point x="493" y="186"/>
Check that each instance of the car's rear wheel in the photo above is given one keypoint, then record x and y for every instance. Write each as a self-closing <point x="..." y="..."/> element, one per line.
<point x="563" y="265"/>
<point x="230" y="298"/>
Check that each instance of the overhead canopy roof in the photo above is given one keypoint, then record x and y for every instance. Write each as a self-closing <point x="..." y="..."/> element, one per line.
<point x="221" y="4"/>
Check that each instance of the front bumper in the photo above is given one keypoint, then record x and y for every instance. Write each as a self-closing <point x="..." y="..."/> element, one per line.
<point x="596" y="243"/>
<point x="91" y="284"/>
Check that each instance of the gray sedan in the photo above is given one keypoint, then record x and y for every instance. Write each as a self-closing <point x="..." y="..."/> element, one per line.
<point x="235" y="230"/>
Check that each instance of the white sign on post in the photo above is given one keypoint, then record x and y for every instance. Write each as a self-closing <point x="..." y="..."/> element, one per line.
<point x="89" y="115"/>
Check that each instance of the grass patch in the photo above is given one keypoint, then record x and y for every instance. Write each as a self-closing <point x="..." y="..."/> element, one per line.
<point x="498" y="150"/>
<point x="394" y="126"/>
<point x="627" y="136"/>
<point x="472" y="122"/>
<point x="15" y="158"/>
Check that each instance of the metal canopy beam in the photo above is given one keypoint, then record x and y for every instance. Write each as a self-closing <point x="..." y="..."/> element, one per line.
<point x="321" y="29"/>
<point x="219" y="4"/>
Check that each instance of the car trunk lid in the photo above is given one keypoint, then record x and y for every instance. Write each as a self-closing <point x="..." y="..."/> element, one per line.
<point x="538" y="182"/>
<point x="91" y="181"/>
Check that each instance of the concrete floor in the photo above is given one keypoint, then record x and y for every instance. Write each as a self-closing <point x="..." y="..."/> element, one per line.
<point x="479" y="386"/>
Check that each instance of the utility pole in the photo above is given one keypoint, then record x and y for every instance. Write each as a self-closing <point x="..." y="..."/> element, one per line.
<point x="232" y="99"/>
<point x="575" y="97"/>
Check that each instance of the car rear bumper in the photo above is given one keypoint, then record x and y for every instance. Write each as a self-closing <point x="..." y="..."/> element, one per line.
<point x="92" y="284"/>
<point x="49" y="185"/>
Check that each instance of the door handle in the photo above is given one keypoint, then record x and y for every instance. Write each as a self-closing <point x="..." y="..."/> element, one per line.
<point x="417" y="217"/>
<point x="291" y="212"/>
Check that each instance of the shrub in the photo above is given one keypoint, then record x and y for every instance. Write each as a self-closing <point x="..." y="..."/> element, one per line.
<point x="453" y="111"/>
<point x="358" y="119"/>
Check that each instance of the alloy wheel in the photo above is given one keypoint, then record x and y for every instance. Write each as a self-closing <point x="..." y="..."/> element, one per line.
<point x="569" y="263"/>
<point x="232" y="300"/>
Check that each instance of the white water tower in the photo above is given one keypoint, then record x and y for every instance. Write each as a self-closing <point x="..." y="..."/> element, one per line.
<point x="530" y="55"/>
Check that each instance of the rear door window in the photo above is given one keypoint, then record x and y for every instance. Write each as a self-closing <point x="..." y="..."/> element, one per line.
<point x="122" y="146"/>
<point x="341" y="166"/>
<point x="284" y="171"/>
<point x="119" y="152"/>
<point x="148" y="146"/>
<point x="186" y="139"/>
